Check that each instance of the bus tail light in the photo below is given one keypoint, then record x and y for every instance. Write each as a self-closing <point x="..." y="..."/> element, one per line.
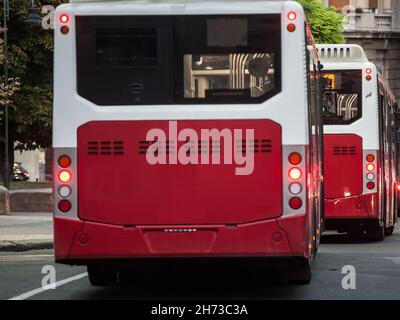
<point x="64" y="18"/>
<point x="291" y="27"/>
<point x="294" y="179"/>
<point x="295" y="188"/>
<point x="64" y="176"/>
<point x="370" y="158"/>
<point x="64" y="191"/>
<point x="64" y="161"/>
<point x="64" y="205"/>
<point x="295" y="203"/>
<point x="370" y="167"/>
<point x="371" y="176"/>
<point x="64" y="30"/>
<point x="295" y="158"/>
<point x="65" y="182"/>
<point x="295" y="173"/>
<point x="292" y="15"/>
<point x="370" y="171"/>
<point x="370" y="185"/>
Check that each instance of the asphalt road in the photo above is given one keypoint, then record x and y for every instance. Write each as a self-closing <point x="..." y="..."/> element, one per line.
<point x="377" y="268"/>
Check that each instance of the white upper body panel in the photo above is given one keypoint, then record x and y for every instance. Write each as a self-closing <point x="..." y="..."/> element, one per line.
<point x="288" y="108"/>
<point x="354" y="58"/>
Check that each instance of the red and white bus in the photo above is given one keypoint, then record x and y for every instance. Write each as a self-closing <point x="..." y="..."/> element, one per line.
<point x="360" y="148"/>
<point x="136" y="84"/>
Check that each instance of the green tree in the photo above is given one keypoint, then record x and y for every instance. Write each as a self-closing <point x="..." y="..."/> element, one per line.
<point x="325" y="23"/>
<point x="30" y="62"/>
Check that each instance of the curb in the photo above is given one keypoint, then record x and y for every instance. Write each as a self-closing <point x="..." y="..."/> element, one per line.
<point x="35" y="200"/>
<point x="15" y="246"/>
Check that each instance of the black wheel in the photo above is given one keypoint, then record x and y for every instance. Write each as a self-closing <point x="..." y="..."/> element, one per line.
<point x="377" y="234"/>
<point x="131" y="276"/>
<point x="389" y="231"/>
<point x="102" y="276"/>
<point x="298" y="274"/>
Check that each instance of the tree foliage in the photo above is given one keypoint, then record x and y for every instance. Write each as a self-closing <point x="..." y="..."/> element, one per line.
<point x="30" y="62"/>
<point x="7" y="88"/>
<point x="325" y="23"/>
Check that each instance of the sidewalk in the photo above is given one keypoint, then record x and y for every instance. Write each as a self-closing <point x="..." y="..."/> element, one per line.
<point x="26" y="231"/>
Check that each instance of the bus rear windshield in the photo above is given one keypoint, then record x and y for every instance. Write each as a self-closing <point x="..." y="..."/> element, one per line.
<point x="342" y="97"/>
<point x="125" y="60"/>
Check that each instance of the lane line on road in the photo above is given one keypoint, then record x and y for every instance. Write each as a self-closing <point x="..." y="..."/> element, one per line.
<point x="60" y="283"/>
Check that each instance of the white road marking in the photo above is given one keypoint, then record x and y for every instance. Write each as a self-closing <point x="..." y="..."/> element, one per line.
<point x="60" y="283"/>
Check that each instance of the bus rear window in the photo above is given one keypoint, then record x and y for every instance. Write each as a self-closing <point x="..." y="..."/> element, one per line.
<point x="342" y="97"/>
<point x="123" y="60"/>
<point x="243" y="76"/>
<point x="232" y="59"/>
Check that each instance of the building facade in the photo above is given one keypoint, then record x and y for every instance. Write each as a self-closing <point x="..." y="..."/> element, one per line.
<point x="375" y="25"/>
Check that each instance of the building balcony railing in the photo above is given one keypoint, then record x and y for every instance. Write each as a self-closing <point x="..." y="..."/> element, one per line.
<point x="383" y="23"/>
<point x="369" y="22"/>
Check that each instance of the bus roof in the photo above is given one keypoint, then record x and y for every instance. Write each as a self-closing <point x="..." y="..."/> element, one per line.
<point x="341" y="53"/>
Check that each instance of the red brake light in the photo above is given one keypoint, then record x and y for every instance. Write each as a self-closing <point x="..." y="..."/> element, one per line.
<point x="370" y="158"/>
<point x="295" y="158"/>
<point x="370" y="185"/>
<point x="295" y="203"/>
<point x="64" y="29"/>
<point x="368" y="70"/>
<point x="64" y="161"/>
<point x="368" y="77"/>
<point x="292" y="15"/>
<point x="295" y="173"/>
<point x="64" y="18"/>
<point x="370" y="167"/>
<point x="64" y="205"/>
<point x="64" y="176"/>
<point x="291" y="27"/>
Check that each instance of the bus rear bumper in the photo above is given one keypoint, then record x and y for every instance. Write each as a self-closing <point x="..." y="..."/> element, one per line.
<point x="352" y="224"/>
<point x="77" y="240"/>
<point x="357" y="207"/>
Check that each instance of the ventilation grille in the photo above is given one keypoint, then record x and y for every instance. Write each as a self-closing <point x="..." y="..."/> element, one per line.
<point x="348" y="52"/>
<point x="255" y="146"/>
<point x="336" y="53"/>
<point x="214" y="146"/>
<point x="345" y="151"/>
<point x="105" y="148"/>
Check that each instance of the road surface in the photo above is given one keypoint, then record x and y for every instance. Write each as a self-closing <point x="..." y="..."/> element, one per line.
<point x="377" y="268"/>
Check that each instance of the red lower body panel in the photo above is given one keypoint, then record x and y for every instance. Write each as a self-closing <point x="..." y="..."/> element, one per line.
<point x="77" y="240"/>
<point x="117" y="184"/>
<point x="357" y="207"/>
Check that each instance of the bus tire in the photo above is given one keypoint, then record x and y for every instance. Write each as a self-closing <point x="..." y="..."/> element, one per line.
<point x="389" y="231"/>
<point x="299" y="274"/>
<point x="102" y="276"/>
<point x="377" y="234"/>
